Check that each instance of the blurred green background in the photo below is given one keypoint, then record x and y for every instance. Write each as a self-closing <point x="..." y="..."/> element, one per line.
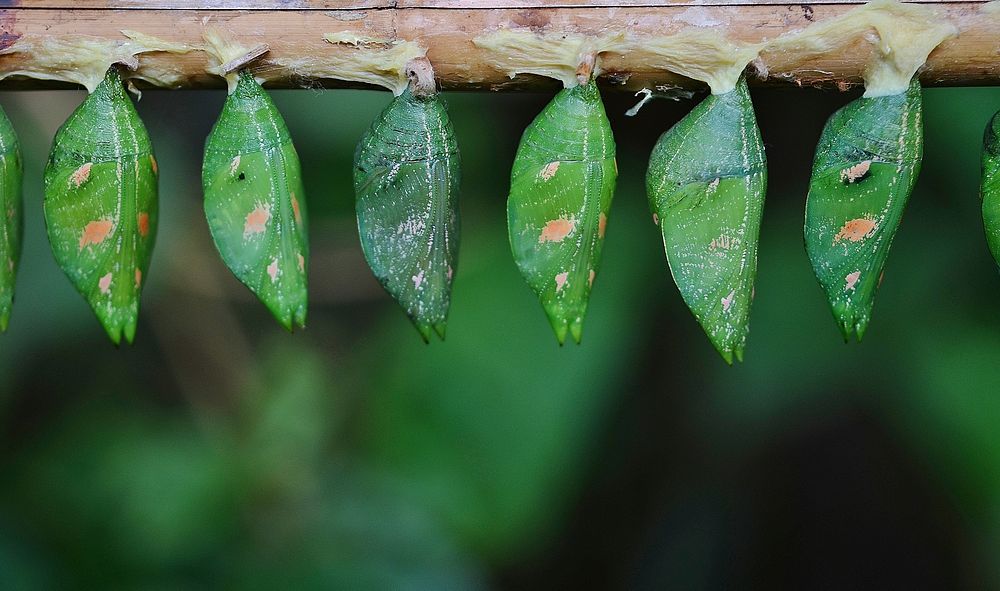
<point x="221" y="452"/>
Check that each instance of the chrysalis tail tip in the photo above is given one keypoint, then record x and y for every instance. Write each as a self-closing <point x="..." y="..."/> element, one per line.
<point x="563" y="327"/>
<point x="291" y="320"/>
<point x="731" y="355"/>
<point x="850" y="327"/>
<point x="427" y="330"/>
<point x="115" y="334"/>
<point x="299" y="322"/>
<point x="130" y="332"/>
<point x="117" y="330"/>
<point x="560" y="328"/>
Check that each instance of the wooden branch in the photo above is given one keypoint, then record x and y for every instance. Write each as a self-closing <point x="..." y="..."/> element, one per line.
<point x="295" y="28"/>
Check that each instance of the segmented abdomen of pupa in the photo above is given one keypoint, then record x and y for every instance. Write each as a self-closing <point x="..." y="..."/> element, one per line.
<point x="561" y="187"/>
<point x="10" y="216"/>
<point x="706" y="182"/>
<point x="101" y="204"/>
<point x="866" y="164"/>
<point x="255" y="202"/>
<point x="990" y="190"/>
<point x="406" y="180"/>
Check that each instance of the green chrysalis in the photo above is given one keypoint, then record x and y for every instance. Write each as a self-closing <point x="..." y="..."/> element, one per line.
<point x="255" y="203"/>
<point x="11" y="221"/>
<point x="990" y="191"/>
<point x="101" y="204"/>
<point x="866" y="164"/>
<point x="406" y="178"/>
<point x="561" y="186"/>
<point x="706" y="183"/>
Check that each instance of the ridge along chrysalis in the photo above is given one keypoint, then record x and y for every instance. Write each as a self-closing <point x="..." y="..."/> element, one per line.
<point x="406" y="180"/>
<point x="101" y="204"/>
<point x="561" y="187"/>
<point x="990" y="191"/>
<point x="255" y="202"/>
<point x="706" y="183"/>
<point x="11" y="218"/>
<point x="866" y="164"/>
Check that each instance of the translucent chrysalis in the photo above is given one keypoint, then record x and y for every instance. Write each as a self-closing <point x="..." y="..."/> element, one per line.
<point x="406" y="180"/>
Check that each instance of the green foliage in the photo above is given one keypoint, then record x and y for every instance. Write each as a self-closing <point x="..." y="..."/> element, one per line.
<point x="11" y="215"/>
<point x="101" y="204"/>
<point x="255" y="202"/>
<point x="561" y="188"/>
<point x="706" y="183"/>
<point x="407" y="173"/>
<point x="866" y="164"/>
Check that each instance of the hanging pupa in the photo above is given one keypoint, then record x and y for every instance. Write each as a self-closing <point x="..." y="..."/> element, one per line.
<point x="868" y="156"/>
<point x="706" y="182"/>
<point x="11" y="219"/>
<point x="406" y="181"/>
<point x="866" y="164"/>
<point x="990" y="191"/>
<point x="101" y="204"/>
<point x="564" y="172"/>
<point x="254" y="198"/>
<point x="561" y="187"/>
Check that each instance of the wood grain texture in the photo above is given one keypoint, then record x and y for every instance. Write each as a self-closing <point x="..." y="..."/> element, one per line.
<point x="294" y="29"/>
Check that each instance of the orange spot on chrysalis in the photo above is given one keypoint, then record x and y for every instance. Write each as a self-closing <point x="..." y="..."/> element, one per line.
<point x="851" y="280"/>
<point x="855" y="230"/>
<point x="81" y="175"/>
<point x="138" y="277"/>
<point x="549" y="170"/>
<point x="417" y="279"/>
<point x="855" y="173"/>
<point x="728" y="301"/>
<point x="656" y="220"/>
<point x="561" y="280"/>
<point x="153" y="165"/>
<point x="105" y="283"/>
<point x="302" y="262"/>
<point x="142" y="220"/>
<point x="556" y="230"/>
<point x="256" y="221"/>
<point x="295" y="209"/>
<point x="590" y="280"/>
<point x="273" y="270"/>
<point x="602" y="225"/>
<point x="95" y="232"/>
